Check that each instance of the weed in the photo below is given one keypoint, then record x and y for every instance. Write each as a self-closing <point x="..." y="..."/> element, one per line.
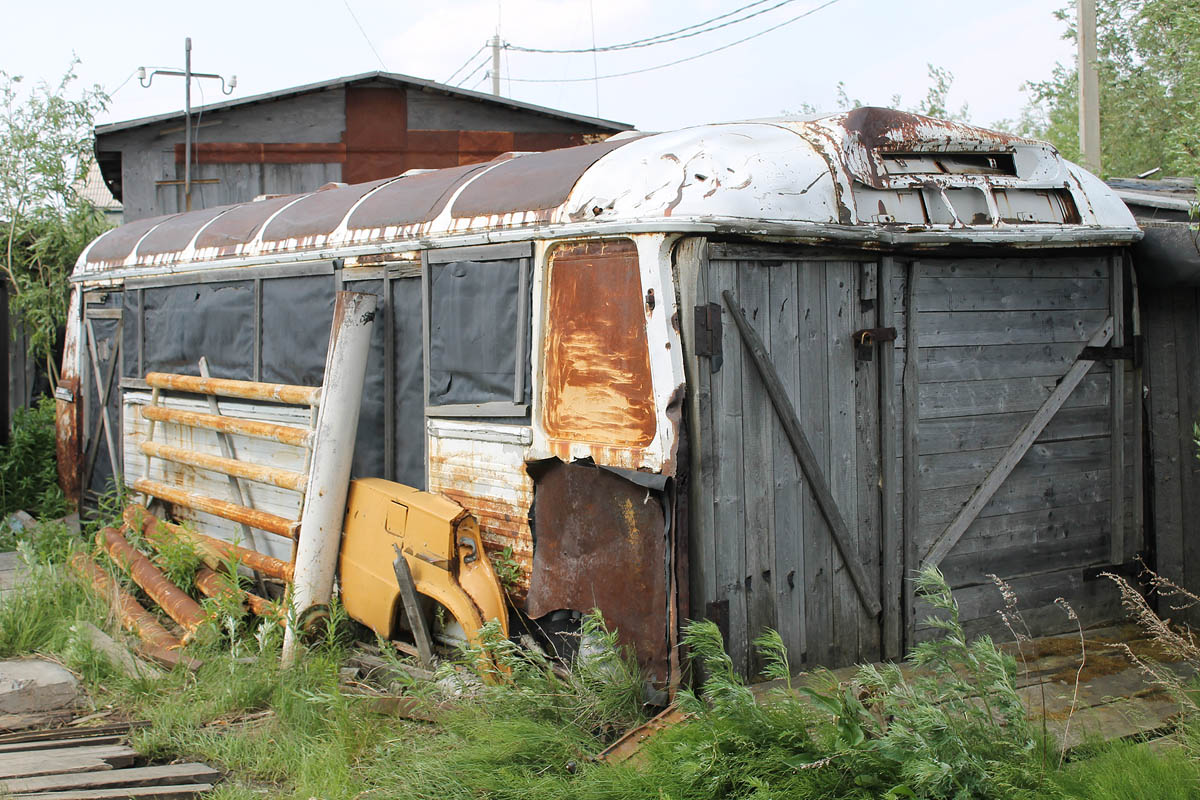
<point x="28" y="474"/>
<point x="508" y="569"/>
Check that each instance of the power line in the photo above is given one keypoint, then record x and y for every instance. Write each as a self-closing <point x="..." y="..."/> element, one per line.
<point x="354" y="17"/>
<point x="662" y="37"/>
<point x="808" y="13"/>
<point x="473" y="72"/>
<point x="465" y="63"/>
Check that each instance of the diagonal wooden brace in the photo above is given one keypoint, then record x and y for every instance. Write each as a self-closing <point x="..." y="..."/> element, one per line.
<point x="1016" y="451"/>
<point x="805" y="455"/>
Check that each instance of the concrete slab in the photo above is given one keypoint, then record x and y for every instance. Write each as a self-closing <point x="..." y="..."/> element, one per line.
<point x="34" y="686"/>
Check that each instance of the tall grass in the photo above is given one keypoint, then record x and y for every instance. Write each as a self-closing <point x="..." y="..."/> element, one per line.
<point x="520" y="726"/>
<point x="28" y="474"/>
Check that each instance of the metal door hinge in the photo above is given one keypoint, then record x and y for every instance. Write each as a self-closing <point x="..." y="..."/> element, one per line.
<point x="1129" y="352"/>
<point x="708" y="334"/>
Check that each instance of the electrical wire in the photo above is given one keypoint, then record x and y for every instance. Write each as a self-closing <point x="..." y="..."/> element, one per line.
<point x="796" y="18"/>
<point x="664" y="38"/>
<point x="122" y="85"/>
<point x="354" y="17"/>
<point x="465" y="63"/>
<point x="475" y="71"/>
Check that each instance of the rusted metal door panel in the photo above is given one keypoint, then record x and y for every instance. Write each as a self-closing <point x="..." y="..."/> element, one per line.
<point x="776" y="564"/>
<point x="602" y="544"/>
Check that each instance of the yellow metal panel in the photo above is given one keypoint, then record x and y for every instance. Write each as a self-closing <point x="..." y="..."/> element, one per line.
<point x="439" y="539"/>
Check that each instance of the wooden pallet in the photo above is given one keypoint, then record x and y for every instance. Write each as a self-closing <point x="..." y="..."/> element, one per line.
<point x="90" y="764"/>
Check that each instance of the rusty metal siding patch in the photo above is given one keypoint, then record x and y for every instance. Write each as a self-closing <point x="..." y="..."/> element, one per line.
<point x="598" y="385"/>
<point x="602" y="543"/>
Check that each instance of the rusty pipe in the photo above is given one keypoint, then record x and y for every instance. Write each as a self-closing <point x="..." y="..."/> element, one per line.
<point x="275" y="476"/>
<point x="262" y="520"/>
<point x="246" y="390"/>
<point x="284" y="434"/>
<point x="131" y="614"/>
<point x="214" y="584"/>
<point x="213" y="552"/>
<point x="169" y="597"/>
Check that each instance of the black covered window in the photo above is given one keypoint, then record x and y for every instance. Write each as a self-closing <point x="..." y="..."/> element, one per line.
<point x="478" y="331"/>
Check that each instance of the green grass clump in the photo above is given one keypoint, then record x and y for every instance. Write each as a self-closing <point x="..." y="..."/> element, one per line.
<point x="1131" y="771"/>
<point x="28" y="471"/>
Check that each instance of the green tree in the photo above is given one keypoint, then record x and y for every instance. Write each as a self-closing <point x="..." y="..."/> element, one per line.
<point x="45" y="149"/>
<point x="1148" y="60"/>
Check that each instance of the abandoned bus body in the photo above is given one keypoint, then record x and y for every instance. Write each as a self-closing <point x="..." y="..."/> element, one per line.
<point x="753" y="372"/>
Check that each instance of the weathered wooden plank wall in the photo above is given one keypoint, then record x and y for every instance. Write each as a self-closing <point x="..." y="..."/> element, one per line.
<point x="1171" y="325"/>
<point x="776" y="564"/>
<point x="994" y="338"/>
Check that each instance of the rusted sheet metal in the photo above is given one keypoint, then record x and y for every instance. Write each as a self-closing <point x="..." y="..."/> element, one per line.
<point x="314" y="216"/>
<point x="283" y="478"/>
<point x="598" y="386"/>
<point x="229" y="233"/>
<point x="794" y="177"/>
<point x="169" y="597"/>
<point x="284" y="434"/>
<point x="488" y="478"/>
<point x="132" y="615"/>
<point x="629" y="746"/>
<point x="261" y="520"/>
<point x="532" y="183"/>
<point x="114" y="246"/>
<point x="175" y="233"/>
<point x="602" y="543"/>
<point x="68" y="448"/>
<point x="410" y="200"/>
<point x="214" y="552"/>
<point x="246" y="390"/>
<point x="68" y="413"/>
<point x="613" y="380"/>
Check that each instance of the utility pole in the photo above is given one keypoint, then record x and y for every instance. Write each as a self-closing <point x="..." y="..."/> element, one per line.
<point x="187" y="76"/>
<point x="495" y="64"/>
<point x="1089" y="87"/>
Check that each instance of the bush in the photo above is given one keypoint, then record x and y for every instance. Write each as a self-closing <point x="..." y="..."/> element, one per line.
<point x="28" y="471"/>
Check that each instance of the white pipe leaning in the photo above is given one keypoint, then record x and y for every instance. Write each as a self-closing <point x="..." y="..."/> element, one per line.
<point x="333" y="448"/>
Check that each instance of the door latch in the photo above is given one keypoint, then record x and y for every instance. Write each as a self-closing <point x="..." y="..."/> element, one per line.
<point x="867" y="338"/>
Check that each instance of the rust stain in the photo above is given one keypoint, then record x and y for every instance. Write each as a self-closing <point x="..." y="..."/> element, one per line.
<point x="601" y="545"/>
<point x="246" y="390"/>
<point x="132" y="615"/>
<point x="67" y="447"/>
<point x="598" y="384"/>
<point x="262" y="520"/>
<point x="275" y="476"/>
<point x="284" y="434"/>
<point x="498" y="494"/>
<point x="214" y="552"/>
<point x="169" y="597"/>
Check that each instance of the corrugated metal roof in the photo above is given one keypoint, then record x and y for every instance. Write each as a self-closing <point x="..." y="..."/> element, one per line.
<point x="366" y="77"/>
<point x="828" y="177"/>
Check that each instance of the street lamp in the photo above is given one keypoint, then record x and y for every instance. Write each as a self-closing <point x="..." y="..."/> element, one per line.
<point x="226" y="88"/>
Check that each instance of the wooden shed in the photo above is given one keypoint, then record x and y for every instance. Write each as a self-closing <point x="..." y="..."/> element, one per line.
<point x="350" y="130"/>
<point x="1167" y="265"/>
<point x="756" y="372"/>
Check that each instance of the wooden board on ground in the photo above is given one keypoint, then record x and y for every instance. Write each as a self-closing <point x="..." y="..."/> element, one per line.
<point x="167" y="774"/>
<point x="159" y="792"/>
<point x="65" y="759"/>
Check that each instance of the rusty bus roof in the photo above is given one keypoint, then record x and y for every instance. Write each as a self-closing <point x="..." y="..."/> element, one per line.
<point x="864" y="175"/>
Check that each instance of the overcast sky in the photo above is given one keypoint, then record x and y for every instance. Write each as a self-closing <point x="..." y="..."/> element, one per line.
<point x="879" y="48"/>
